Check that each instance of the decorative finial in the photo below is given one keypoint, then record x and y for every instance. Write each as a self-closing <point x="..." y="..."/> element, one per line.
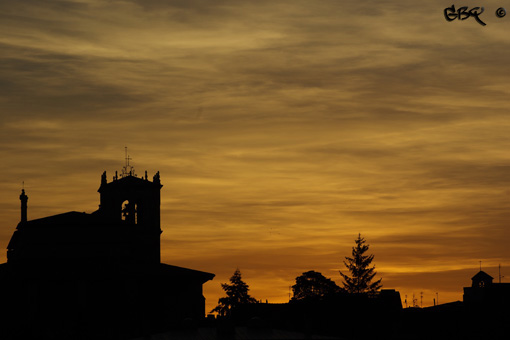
<point x="23" y="198"/>
<point x="156" y="178"/>
<point x="103" y="178"/>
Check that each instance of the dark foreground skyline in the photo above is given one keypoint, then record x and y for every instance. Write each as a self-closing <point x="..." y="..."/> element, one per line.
<point x="99" y="275"/>
<point x="42" y="250"/>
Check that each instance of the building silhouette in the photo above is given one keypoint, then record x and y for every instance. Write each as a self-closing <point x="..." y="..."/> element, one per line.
<point x="486" y="293"/>
<point x="97" y="273"/>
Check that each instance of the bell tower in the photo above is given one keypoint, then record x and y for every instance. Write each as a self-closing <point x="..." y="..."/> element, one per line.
<point x="133" y="204"/>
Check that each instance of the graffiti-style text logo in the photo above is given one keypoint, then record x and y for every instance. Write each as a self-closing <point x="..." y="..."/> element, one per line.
<point x="462" y="13"/>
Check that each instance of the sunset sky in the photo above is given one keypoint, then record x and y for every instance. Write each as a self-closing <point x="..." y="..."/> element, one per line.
<point x="281" y="130"/>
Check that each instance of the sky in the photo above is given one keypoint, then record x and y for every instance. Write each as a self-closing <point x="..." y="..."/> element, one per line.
<point x="281" y="130"/>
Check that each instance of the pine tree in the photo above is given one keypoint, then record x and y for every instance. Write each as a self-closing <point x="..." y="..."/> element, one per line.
<point x="360" y="280"/>
<point x="237" y="294"/>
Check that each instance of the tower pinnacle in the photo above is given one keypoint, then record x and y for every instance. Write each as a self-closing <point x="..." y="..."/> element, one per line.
<point x="23" y="198"/>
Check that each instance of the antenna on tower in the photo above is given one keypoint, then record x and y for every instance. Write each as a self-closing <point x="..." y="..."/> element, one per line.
<point x="500" y="276"/>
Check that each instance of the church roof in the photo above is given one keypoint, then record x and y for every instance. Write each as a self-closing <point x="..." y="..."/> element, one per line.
<point x="179" y="272"/>
<point x="70" y="218"/>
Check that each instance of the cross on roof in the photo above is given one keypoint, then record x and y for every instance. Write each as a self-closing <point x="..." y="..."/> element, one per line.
<point x="127" y="170"/>
<point x="127" y="157"/>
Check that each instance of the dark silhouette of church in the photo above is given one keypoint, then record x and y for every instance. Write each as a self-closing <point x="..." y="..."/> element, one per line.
<point x="97" y="274"/>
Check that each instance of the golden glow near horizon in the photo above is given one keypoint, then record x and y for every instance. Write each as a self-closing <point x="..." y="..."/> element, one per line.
<point x="281" y="130"/>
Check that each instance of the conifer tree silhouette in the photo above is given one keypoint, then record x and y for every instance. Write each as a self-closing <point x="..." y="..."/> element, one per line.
<point x="361" y="275"/>
<point x="237" y="294"/>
